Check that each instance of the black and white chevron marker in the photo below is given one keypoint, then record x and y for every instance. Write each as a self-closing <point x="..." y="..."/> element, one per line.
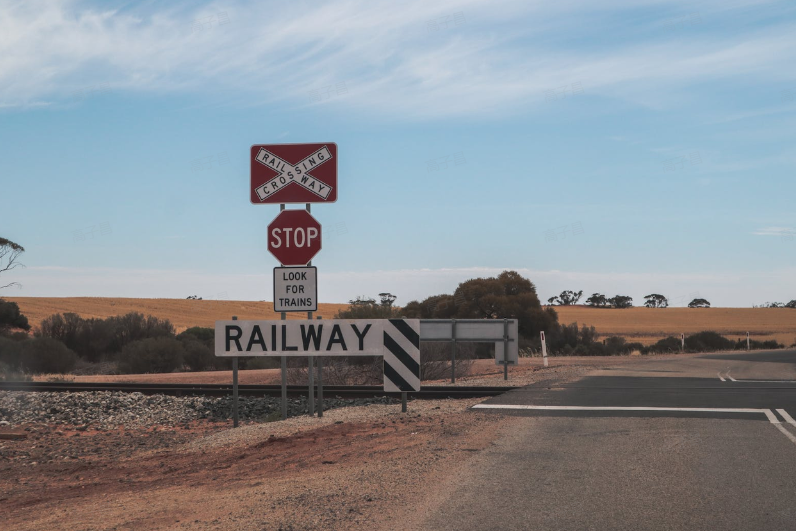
<point x="401" y="355"/>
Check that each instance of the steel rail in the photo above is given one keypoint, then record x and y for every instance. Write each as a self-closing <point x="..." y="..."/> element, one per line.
<point x="342" y="391"/>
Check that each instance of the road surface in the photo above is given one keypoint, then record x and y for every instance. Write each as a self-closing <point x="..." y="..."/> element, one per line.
<point x="704" y="442"/>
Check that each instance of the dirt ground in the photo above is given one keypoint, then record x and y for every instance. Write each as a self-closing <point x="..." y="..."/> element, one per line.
<point x="356" y="468"/>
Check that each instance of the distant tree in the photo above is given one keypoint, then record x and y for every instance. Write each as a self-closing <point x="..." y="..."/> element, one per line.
<point x="552" y="300"/>
<point x="194" y="297"/>
<point x="699" y="303"/>
<point x="598" y="300"/>
<point x="11" y="318"/>
<point x="387" y="299"/>
<point x="773" y="305"/>
<point x="9" y="252"/>
<point x="567" y="298"/>
<point x="509" y="295"/>
<point x="656" y="300"/>
<point x="621" y="301"/>
<point x="367" y="308"/>
<point x="791" y="304"/>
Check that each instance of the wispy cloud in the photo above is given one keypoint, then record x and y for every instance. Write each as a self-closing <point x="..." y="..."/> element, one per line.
<point x="775" y="231"/>
<point x="501" y="58"/>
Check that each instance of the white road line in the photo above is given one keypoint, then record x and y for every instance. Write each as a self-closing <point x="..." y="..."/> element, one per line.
<point x="622" y="408"/>
<point x="720" y="378"/>
<point x="767" y="412"/>
<point x="787" y="417"/>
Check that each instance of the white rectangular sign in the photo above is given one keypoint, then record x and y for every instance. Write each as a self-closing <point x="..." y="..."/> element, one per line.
<point x="295" y="289"/>
<point x="333" y="337"/>
<point x="477" y="330"/>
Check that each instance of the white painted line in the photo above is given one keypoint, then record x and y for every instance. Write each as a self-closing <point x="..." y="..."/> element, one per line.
<point x="788" y="434"/>
<point x="730" y="377"/>
<point x="787" y="417"/>
<point x="772" y="418"/>
<point x="623" y="408"/>
<point x="720" y="378"/>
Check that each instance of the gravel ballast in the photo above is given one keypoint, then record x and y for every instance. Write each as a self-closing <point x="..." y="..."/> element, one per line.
<point x="110" y="410"/>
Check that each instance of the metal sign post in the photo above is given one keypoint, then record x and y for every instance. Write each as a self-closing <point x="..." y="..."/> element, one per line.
<point x="453" y="351"/>
<point x="505" y="349"/>
<point x="235" y="387"/>
<point x="311" y="359"/>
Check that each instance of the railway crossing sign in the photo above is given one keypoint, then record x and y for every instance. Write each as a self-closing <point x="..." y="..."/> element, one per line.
<point x="294" y="237"/>
<point x="396" y="340"/>
<point x="293" y="173"/>
<point x="295" y="289"/>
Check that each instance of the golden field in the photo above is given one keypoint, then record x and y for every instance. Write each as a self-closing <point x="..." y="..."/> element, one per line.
<point x="182" y="313"/>
<point x="646" y="325"/>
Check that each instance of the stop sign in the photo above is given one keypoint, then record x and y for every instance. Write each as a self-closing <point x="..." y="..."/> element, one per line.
<point x="294" y="237"/>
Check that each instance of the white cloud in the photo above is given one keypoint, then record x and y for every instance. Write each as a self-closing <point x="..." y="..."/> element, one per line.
<point x="479" y="57"/>
<point x="776" y="231"/>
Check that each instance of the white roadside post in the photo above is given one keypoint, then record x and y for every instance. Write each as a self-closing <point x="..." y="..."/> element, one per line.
<point x="747" y="342"/>
<point x="544" y="349"/>
<point x="682" y="342"/>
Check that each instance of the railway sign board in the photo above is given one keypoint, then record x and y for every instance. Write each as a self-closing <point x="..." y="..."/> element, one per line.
<point x="294" y="237"/>
<point x="295" y="289"/>
<point x="396" y="340"/>
<point x="293" y="173"/>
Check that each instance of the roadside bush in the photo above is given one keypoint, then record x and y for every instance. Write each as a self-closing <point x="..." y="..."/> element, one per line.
<point x="197" y="356"/>
<point x="707" y="341"/>
<point x="365" y="370"/>
<point x="95" y="339"/>
<point x="435" y="360"/>
<point x="47" y="355"/>
<point x="664" y="346"/>
<point x="153" y="355"/>
<point x="199" y="333"/>
<point x="10" y="353"/>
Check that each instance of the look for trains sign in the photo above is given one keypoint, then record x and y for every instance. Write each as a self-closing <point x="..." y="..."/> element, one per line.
<point x="294" y="173"/>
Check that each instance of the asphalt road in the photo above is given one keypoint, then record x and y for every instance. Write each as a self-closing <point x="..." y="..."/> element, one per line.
<point x="698" y="450"/>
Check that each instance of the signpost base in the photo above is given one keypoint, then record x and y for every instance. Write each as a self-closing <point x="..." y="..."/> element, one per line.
<point x="403" y="402"/>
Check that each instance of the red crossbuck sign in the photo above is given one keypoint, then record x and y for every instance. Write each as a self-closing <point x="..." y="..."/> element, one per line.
<point x="294" y="173"/>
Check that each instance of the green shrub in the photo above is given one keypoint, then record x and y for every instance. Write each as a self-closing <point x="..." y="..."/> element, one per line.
<point x="47" y="355"/>
<point x="666" y="345"/>
<point x="10" y="353"/>
<point x="707" y="341"/>
<point x="153" y="355"/>
<point x="197" y="356"/>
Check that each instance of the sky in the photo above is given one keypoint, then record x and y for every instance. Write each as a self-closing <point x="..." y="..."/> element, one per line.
<point x="619" y="147"/>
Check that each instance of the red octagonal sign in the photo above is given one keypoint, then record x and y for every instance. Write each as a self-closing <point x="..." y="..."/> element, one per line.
<point x="294" y="237"/>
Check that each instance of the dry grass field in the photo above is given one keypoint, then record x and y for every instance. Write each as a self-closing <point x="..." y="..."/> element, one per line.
<point x="182" y="313"/>
<point x="646" y="325"/>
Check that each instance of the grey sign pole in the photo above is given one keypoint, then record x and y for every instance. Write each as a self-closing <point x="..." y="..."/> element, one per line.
<point x="284" y="359"/>
<point x="320" y="383"/>
<point x="310" y="363"/>
<point x="505" y="349"/>
<point x="453" y="351"/>
<point x="235" y="387"/>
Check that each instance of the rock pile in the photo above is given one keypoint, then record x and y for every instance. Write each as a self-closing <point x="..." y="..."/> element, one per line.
<point x="109" y="410"/>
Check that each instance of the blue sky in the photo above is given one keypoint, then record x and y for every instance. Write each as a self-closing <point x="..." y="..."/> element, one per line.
<point x="613" y="147"/>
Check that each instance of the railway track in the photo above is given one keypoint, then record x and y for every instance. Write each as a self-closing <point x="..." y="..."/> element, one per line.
<point x="342" y="391"/>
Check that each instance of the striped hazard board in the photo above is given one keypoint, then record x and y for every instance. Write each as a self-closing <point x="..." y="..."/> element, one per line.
<point x="401" y="355"/>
